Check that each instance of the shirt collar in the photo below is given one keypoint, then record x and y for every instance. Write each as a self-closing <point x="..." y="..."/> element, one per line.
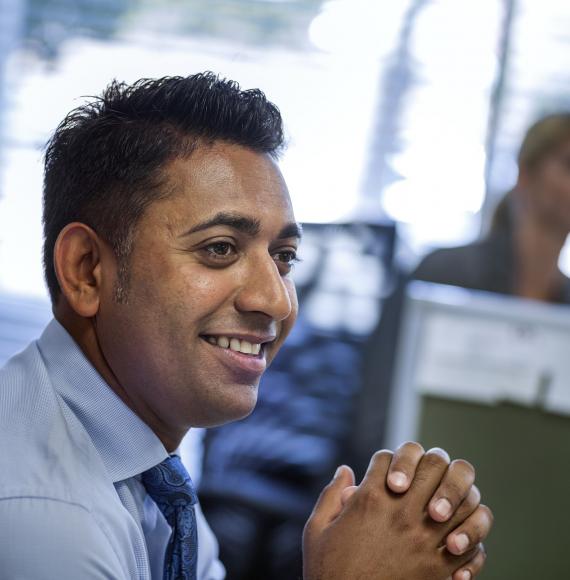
<point x="126" y="444"/>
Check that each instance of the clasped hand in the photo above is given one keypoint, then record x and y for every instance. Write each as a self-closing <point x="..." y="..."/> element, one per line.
<point x="415" y="516"/>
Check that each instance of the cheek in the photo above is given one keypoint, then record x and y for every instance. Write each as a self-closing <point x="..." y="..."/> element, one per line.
<point x="543" y="198"/>
<point x="203" y="292"/>
<point x="557" y="202"/>
<point x="556" y="188"/>
<point x="564" y="192"/>
<point x="195" y="280"/>
<point x="178" y="283"/>
<point x="170" y="307"/>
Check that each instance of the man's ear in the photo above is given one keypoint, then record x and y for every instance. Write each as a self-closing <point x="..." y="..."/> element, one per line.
<point x="77" y="262"/>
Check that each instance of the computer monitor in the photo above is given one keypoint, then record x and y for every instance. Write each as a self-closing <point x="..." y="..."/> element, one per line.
<point x="487" y="377"/>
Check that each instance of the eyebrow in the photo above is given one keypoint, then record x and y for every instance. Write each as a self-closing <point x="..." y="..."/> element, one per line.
<point x="245" y="224"/>
<point x="292" y="230"/>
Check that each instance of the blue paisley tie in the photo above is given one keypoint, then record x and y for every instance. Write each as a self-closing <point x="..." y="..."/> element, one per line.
<point x="170" y="486"/>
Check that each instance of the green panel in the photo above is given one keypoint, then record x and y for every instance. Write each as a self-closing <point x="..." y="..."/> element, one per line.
<point x="522" y="458"/>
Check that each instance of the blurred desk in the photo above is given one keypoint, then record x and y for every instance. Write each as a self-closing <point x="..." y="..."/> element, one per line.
<point x="487" y="378"/>
<point x="523" y="471"/>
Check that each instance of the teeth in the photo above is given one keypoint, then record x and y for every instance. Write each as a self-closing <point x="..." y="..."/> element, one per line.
<point x="245" y="347"/>
<point x="235" y="344"/>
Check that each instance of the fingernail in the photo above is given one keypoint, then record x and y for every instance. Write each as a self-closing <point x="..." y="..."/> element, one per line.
<point x="461" y="542"/>
<point x="338" y="471"/>
<point x="398" y="479"/>
<point x="465" y="575"/>
<point x="442" y="508"/>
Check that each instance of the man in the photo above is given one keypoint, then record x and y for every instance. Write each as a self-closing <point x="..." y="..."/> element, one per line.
<point x="169" y="242"/>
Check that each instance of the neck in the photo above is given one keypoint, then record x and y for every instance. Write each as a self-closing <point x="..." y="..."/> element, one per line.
<point x="83" y="331"/>
<point x="537" y="247"/>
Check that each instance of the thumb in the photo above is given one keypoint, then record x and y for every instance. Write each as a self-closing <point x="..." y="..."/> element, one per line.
<point x="330" y="504"/>
<point x="347" y="493"/>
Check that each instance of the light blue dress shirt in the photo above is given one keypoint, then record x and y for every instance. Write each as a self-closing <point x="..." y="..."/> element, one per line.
<point x="72" y="506"/>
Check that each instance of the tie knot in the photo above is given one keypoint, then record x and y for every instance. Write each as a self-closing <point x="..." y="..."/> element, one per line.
<point x="169" y="484"/>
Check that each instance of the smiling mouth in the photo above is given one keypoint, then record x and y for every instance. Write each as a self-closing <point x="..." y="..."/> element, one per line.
<point x="252" y="349"/>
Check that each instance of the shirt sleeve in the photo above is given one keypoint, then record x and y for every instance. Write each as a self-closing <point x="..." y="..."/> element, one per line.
<point x="53" y="540"/>
<point x="209" y="565"/>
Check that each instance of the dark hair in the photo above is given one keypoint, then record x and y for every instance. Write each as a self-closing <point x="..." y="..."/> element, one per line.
<point x="103" y="165"/>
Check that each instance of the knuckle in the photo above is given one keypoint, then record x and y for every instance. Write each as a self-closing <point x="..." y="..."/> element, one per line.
<point x="380" y="459"/>
<point x="473" y="551"/>
<point x="477" y="563"/>
<point x="439" y="452"/>
<point x="370" y="495"/>
<point x="310" y="528"/>
<point x="486" y="510"/>
<point x="464" y="467"/>
<point x="381" y="455"/>
<point x="436" y="458"/>
<point x="453" y="490"/>
<point x="411" y="447"/>
<point x="474" y="495"/>
<point x="474" y="530"/>
<point x="471" y="502"/>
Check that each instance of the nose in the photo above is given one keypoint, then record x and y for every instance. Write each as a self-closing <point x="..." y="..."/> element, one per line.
<point x="264" y="290"/>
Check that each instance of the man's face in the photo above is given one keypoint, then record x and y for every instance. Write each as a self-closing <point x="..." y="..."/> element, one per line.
<point x="550" y="187"/>
<point x="210" y="297"/>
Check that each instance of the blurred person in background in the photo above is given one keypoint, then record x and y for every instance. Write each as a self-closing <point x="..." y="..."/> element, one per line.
<point x="519" y="257"/>
<point x="520" y="254"/>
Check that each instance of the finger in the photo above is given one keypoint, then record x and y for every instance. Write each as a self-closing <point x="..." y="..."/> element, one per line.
<point x="452" y="490"/>
<point x="454" y="564"/>
<point x="471" y="532"/>
<point x="347" y="493"/>
<point x="429" y="474"/>
<point x="377" y="471"/>
<point x="465" y="509"/>
<point x="472" y="568"/>
<point x="329" y="504"/>
<point x="403" y="467"/>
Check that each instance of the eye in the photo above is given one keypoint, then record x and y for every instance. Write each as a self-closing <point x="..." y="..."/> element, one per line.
<point x="287" y="258"/>
<point x="219" y="250"/>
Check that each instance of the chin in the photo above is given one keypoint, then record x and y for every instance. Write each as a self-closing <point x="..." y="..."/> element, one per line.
<point x="243" y="405"/>
<point x="232" y="408"/>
